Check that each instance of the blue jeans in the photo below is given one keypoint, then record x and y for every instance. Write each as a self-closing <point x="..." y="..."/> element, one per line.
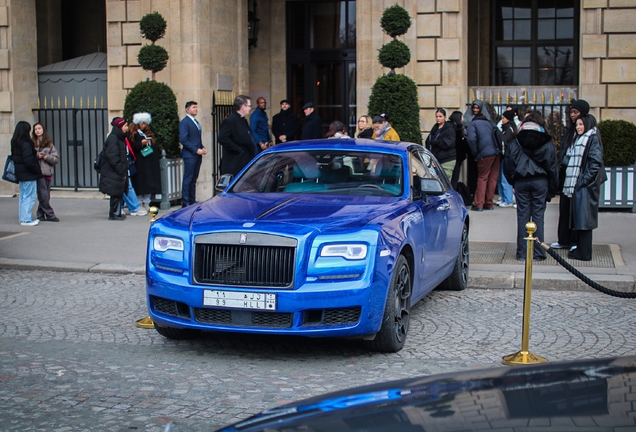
<point x="28" y="197"/>
<point x="130" y="198"/>
<point x="504" y="189"/>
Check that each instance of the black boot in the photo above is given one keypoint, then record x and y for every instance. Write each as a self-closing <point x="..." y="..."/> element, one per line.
<point x="114" y="212"/>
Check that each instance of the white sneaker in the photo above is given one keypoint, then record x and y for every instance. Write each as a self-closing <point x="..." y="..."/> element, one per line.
<point x="140" y="212"/>
<point x="505" y="204"/>
<point x="32" y="223"/>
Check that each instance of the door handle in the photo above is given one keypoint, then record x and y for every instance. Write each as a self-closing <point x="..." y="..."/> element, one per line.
<point x="444" y="207"/>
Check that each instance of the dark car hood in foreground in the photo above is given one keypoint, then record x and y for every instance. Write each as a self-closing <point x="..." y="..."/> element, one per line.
<point x="590" y="395"/>
<point x="321" y="212"/>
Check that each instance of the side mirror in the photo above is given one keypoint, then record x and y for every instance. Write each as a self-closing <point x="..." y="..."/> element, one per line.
<point x="224" y="180"/>
<point x="430" y="186"/>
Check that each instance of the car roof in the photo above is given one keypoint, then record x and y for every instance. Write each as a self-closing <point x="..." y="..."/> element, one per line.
<point x="358" y="144"/>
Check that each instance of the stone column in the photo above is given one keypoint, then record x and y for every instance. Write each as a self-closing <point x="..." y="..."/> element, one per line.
<point x="608" y="58"/>
<point x="18" y="72"/>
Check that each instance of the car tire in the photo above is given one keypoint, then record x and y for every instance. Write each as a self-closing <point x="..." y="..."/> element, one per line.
<point x="458" y="279"/>
<point x="176" y="333"/>
<point x="395" y="321"/>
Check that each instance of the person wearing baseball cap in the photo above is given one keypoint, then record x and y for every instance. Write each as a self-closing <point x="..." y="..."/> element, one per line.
<point x="285" y="123"/>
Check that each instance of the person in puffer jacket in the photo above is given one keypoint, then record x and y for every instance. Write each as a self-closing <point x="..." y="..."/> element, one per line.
<point x="487" y="154"/>
<point x="530" y="166"/>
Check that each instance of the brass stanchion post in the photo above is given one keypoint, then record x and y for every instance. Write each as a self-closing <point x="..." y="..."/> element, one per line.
<point x="146" y="322"/>
<point x="524" y="356"/>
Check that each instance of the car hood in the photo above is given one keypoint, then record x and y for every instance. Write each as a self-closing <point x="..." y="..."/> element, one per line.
<point x="320" y="212"/>
<point x="552" y="395"/>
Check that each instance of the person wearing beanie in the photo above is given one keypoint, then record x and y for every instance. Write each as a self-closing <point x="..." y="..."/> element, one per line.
<point x="578" y="109"/>
<point x="147" y="181"/>
<point x="113" y="173"/>
<point x="285" y="123"/>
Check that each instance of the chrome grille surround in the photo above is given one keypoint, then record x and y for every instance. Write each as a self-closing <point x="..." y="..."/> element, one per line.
<point x="244" y="259"/>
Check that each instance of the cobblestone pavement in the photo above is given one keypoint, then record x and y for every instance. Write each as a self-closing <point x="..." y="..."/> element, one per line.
<point x="72" y="359"/>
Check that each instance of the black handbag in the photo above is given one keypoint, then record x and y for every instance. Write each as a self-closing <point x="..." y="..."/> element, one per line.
<point x="9" y="171"/>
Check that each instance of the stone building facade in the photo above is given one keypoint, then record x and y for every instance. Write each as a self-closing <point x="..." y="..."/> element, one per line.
<point x="207" y="41"/>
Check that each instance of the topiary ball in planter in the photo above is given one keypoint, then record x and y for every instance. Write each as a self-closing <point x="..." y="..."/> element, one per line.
<point x="396" y="96"/>
<point x="619" y="142"/>
<point x="394" y="55"/>
<point x="153" y="58"/>
<point x="159" y="100"/>
<point x="395" y="21"/>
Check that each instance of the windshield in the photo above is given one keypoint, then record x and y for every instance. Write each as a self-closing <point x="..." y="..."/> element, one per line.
<point x="331" y="172"/>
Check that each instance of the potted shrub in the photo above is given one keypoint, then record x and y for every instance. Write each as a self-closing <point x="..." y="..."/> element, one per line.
<point x="619" y="155"/>
<point x="159" y="100"/>
<point x="396" y="94"/>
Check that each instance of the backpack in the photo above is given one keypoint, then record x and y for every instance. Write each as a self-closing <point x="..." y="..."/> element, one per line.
<point x="500" y="142"/>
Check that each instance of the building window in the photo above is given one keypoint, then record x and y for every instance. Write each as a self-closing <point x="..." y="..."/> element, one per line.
<point x="534" y="42"/>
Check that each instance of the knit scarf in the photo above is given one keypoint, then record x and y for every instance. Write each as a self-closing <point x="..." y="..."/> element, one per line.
<point x="383" y="131"/>
<point x="574" y="163"/>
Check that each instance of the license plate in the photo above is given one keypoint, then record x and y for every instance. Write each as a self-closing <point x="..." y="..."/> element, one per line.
<point x="239" y="300"/>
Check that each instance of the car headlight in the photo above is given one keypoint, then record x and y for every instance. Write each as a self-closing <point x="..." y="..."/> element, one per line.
<point x="162" y="244"/>
<point x="347" y="251"/>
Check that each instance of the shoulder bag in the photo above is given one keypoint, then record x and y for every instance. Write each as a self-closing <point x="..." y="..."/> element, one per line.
<point x="9" y="171"/>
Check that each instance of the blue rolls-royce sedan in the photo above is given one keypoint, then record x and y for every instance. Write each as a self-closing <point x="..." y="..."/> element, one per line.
<point x="322" y="238"/>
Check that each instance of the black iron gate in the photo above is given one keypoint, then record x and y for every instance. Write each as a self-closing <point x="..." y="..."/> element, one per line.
<point x="221" y="109"/>
<point x="78" y="135"/>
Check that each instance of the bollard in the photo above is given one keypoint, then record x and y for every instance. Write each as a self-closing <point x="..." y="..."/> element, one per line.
<point x="146" y="322"/>
<point x="525" y="357"/>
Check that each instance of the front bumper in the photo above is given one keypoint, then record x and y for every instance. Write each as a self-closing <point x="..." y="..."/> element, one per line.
<point x="319" y="309"/>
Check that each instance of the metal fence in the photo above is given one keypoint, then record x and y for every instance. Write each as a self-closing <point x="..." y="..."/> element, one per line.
<point x="78" y="135"/>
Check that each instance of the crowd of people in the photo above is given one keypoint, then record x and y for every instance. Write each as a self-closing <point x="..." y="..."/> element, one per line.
<point x="517" y="158"/>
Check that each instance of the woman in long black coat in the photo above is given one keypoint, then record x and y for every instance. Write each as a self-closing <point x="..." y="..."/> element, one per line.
<point x="584" y="175"/>
<point x="113" y="179"/>
<point x="147" y="181"/>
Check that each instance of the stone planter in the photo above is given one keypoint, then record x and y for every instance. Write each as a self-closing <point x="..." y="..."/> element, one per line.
<point x="171" y="178"/>
<point x="619" y="189"/>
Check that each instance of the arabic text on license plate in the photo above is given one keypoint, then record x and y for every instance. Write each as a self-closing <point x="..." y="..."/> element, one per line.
<point x="239" y="300"/>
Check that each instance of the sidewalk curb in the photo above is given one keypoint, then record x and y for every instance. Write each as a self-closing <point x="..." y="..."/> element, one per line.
<point x="548" y="281"/>
<point x="60" y="266"/>
<point x="478" y="279"/>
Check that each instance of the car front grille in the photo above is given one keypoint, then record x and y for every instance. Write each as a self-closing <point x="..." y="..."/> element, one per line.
<point x="244" y="318"/>
<point x="267" y="263"/>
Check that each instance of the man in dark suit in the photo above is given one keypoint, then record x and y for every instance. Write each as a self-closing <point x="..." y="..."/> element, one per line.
<point x="192" y="153"/>
<point x="235" y="136"/>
